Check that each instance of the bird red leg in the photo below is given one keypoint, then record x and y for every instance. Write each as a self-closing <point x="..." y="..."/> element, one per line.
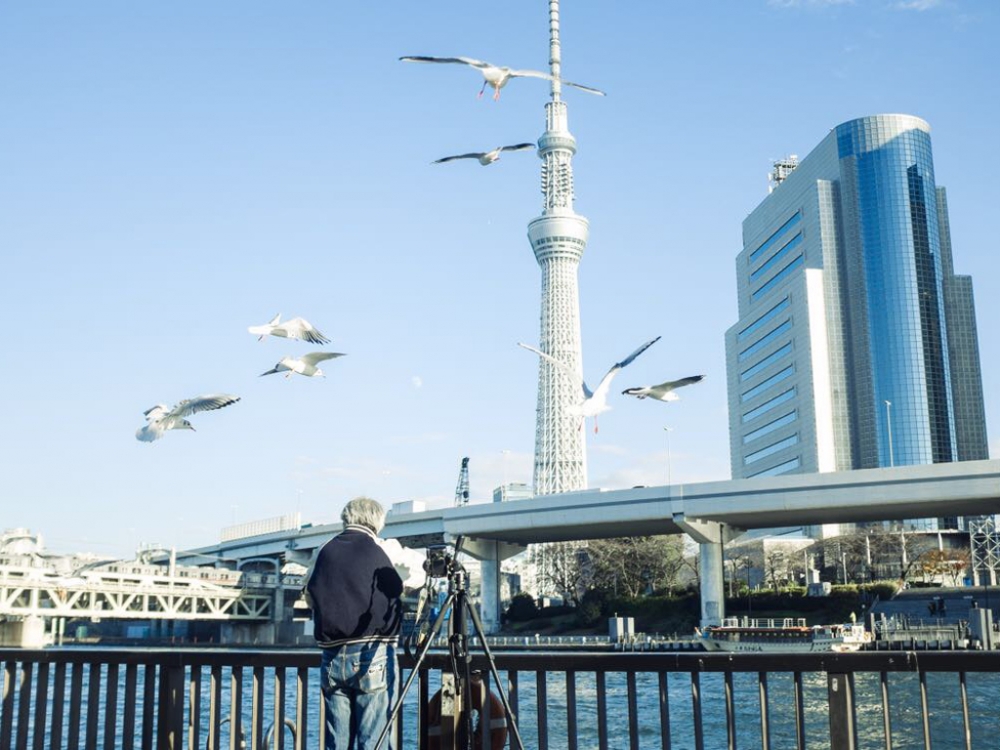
<point x="595" y="425"/>
<point x="496" y="94"/>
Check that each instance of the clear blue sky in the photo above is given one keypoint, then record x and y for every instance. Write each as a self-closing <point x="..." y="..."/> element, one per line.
<point x="171" y="173"/>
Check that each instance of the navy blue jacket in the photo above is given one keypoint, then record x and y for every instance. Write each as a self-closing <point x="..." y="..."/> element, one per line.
<point x="354" y="591"/>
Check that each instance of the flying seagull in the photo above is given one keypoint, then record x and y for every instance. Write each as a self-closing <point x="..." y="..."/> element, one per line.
<point x="594" y="402"/>
<point x="304" y="365"/>
<point x="296" y="328"/>
<point x="497" y="75"/>
<point x="161" y="418"/>
<point x="663" y="391"/>
<point x="486" y="157"/>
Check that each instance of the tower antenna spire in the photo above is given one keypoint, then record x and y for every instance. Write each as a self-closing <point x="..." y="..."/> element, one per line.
<point x="555" y="56"/>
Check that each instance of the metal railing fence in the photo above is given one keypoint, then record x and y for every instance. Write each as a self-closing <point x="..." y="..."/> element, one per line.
<point x="195" y="698"/>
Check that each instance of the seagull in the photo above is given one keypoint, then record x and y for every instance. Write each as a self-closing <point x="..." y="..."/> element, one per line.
<point x="304" y="365"/>
<point x="161" y="418"/>
<point x="594" y="402"/>
<point x="497" y="75"/>
<point x="663" y="391"/>
<point x="486" y="157"/>
<point x="296" y="328"/>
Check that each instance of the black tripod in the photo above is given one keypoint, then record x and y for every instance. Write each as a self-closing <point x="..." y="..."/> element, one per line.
<point x="459" y="605"/>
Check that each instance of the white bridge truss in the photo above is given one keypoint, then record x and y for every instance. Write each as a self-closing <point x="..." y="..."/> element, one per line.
<point x="139" y="592"/>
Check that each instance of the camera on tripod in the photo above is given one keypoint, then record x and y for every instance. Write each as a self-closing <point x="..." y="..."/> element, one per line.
<point x="441" y="561"/>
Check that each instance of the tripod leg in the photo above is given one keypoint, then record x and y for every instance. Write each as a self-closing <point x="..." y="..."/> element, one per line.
<point x="478" y="625"/>
<point x="435" y="629"/>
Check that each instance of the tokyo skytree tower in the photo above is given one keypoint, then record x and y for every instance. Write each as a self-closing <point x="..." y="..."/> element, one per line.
<point x="558" y="238"/>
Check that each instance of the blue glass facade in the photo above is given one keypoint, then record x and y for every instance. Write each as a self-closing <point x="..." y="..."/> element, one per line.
<point x="895" y="196"/>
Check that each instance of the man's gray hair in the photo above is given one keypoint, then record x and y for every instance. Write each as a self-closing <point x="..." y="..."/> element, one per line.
<point x="363" y="511"/>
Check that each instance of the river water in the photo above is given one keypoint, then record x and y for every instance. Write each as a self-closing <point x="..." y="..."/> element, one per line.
<point x="944" y="700"/>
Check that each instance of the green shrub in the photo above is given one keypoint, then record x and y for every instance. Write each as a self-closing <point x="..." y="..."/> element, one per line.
<point x="522" y="608"/>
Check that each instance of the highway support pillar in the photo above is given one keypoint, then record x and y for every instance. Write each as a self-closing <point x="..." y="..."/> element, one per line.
<point x="490" y="553"/>
<point x="710" y="536"/>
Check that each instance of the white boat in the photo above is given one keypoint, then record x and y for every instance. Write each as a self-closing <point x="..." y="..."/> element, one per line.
<point x="787" y="634"/>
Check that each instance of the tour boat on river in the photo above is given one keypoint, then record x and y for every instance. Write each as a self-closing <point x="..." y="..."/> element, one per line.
<point x="788" y="634"/>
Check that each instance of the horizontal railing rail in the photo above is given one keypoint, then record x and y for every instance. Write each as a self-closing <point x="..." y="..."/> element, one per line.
<point x="242" y="698"/>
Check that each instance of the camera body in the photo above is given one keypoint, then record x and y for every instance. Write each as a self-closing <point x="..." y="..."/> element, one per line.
<point x="440" y="562"/>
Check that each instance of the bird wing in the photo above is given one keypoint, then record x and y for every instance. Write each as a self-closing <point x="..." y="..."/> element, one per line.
<point x="459" y="156"/>
<point x="672" y="385"/>
<point x="547" y="77"/>
<point x="605" y="383"/>
<point x="462" y="60"/>
<point x="561" y="365"/>
<point x="155" y="412"/>
<point x="303" y="329"/>
<point x="517" y="147"/>
<point x="317" y="357"/>
<point x="190" y="406"/>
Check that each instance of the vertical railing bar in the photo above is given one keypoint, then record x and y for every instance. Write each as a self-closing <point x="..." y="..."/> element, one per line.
<point x="7" y="707"/>
<point x="58" y="704"/>
<point x="93" y="704"/>
<point x="111" y="708"/>
<point x="41" y="705"/>
<point x="965" y="710"/>
<point x="925" y="710"/>
<point x="840" y="700"/>
<point x="485" y="711"/>
<point x="542" y="706"/>
<point x="236" y="708"/>
<point x="512" y="694"/>
<point x="24" y="704"/>
<point x="602" y="712"/>
<point x="128" y="714"/>
<point x="75" y="699"/>
<point x="571" y="729"/>
<point x="886" y="715"/>
<point x="194" y="704"/>
<point x="854" y="708"/>
<point x="699" y="729"/>
<point x="765" y="724"/>
<point x="664" y="712"/>
<point x="424" y="692"/>
<point x="800" y="712"/>
<point x="279" y="708"/>
<point x="214" y="707"/>
<point x="302" y="709"/>
<point x="633" y="711"/>
<point x="257" y="709"/>
<point x="730" y="712"/>
<point x="148" y="705"/>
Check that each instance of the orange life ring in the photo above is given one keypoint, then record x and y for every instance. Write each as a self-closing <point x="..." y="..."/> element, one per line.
<point x="497" y="719"/>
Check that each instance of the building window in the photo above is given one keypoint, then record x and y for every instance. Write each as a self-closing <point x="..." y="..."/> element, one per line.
<point x="771" y="449"/>
<point x="779" y="399"/>
<point x="765" y="384"/>
<point x="764" y="340"/>
<point x="770" y="426"/>
<point x="773" y="239"/>
<point x="774" y="259"/>
<point x="763" y="319"/>
<point x="784" y="272"/>
<point x="779" y="469"/>
<point x="770" y="359"/>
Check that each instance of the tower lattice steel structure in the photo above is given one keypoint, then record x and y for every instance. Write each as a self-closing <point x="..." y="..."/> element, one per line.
<point x="558" y="238"/>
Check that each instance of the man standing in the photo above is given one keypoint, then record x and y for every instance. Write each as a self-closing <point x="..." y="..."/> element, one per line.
<point x="354" y="592"/>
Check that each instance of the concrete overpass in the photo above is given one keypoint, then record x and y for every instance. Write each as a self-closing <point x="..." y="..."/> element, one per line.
<point x="710" y="512"/>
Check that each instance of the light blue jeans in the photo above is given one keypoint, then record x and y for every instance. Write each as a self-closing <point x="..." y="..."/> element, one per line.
<point x="360" y="682"/>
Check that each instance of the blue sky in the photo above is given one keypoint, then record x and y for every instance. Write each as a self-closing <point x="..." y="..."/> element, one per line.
<point x="171" y="173"/>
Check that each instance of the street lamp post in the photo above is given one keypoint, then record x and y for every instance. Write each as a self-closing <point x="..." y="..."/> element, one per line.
<point x="668" y="430"/>
<point x="888" y="426"/>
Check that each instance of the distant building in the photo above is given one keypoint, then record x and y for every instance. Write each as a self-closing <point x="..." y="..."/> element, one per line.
<point x="856" y="345"/>
<point x="512" y="491"/>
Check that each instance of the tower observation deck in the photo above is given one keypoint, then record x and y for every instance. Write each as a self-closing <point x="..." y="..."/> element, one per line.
<point x="558" y="238"/>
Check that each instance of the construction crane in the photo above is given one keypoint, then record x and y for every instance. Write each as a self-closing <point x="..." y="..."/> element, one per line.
<point x="462" y="488"/>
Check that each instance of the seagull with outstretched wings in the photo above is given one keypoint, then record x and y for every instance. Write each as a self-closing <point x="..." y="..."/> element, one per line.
<point x="663" y="391"/>
<point x="486" y="157"/>
<point x="596" y="401"/>
<point x="161" y="418"/>
<point x="296" y="328"/>
<point x="497" y="76"/>
<point x="304" y="365"/>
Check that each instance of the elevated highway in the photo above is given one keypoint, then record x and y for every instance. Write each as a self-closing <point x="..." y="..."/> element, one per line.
<point x="710" y="512"/>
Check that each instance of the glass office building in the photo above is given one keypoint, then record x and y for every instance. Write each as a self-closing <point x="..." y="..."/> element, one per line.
<point x="856" y="344"/>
